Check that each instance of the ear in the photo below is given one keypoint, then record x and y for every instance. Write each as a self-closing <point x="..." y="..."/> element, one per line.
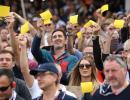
<point x="56" y="77"/>
<point x="13" y="84"/>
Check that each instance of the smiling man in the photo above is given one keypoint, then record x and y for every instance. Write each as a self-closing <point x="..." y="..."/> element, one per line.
<point x="57" y="55"/>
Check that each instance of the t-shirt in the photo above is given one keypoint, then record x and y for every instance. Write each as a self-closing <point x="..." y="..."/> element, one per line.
<point x="124" y="95"/>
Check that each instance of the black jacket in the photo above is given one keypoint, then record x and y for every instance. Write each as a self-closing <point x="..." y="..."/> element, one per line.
<point x="22" y="90"/>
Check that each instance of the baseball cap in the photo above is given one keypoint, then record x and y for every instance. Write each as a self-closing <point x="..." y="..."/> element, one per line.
<point x="51" y="67"/>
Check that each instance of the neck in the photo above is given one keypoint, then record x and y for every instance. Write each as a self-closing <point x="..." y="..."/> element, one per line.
<point x="49" y="93"/>
<point x="116" y="91"/>
<point x="59" y="52"/>
<point x="86" y="79"/>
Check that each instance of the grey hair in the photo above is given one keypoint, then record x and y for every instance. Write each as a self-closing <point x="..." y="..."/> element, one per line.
<point x="118" y="59"/>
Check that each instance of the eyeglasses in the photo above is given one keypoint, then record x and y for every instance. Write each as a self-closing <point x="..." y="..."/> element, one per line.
<point x="2" y="89"/>
<point x="81" y="66"/>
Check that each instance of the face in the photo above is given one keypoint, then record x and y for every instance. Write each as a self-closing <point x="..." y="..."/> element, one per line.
<point x="85" y="68"/>
<point x="6" y="61"/>
<point x="46" y="79"/>
<point x="88" y="32"/>
<point x="49" y="27"/>
<point x="88" y="50"/>
<point x="5" y="89"/>
<point x="114" y="74"/>
<point x="58" y="40"/>
<point x="3" y="34"/>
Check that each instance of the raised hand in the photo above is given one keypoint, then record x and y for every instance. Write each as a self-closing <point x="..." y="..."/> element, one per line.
<point x="10" y="21"/>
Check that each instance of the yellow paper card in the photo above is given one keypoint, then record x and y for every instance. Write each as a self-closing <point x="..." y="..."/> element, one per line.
<point x="4" y="11"/>
<point x="24" y="28"/>
<point x="79" y="34"/>
<point x="104" y="8"/>
<point x="46" y="15"/>
<point x="119" y="23"/>
<point x="47" y="21"/>
<point x="89" y="23"/>
<point x="86" y="87"/>
<point x="73" y="19"/>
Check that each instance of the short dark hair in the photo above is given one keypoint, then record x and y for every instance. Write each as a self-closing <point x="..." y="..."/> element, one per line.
<point x="8" y="73"/>
<point x="7" y="51"/>
<point x="64" y="33"/>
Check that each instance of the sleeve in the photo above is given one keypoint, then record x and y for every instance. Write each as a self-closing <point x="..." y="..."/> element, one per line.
<point x="22" y="90"/>
<point x="36" y="51"/>
<point x="78" y="54"/>
<point x="124" y="34"/>
<point x="97" y="54"/>
<point x="35" y="91"/>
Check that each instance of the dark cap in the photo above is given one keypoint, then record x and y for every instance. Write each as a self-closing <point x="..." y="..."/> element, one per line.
<point x="51" y="67"/>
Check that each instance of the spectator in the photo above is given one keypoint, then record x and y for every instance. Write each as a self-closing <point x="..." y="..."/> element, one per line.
<point x="58" y="55"/>
<point x="8" y="85"/>
<point x="117" y="86"/>
<point x="48" y="78"/>
<point x="85" y="71"/>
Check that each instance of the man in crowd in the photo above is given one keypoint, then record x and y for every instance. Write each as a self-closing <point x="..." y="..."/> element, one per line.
<point x="7" y="86"/>
<point x="48" y="79"/>
<point x="117" y="86"/>
<point x="58" y="54"/>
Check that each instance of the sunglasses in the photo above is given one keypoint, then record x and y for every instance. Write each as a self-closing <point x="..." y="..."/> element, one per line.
<point x="81" y="66"/>
<point x="2" y="89"/>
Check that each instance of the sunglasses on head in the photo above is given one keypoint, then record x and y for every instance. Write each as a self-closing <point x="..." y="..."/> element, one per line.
<point x="81" y="66"/>
<point x="2" y="89"/>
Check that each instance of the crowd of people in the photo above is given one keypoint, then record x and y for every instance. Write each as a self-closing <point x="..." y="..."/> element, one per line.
<point x="53" y="56"/>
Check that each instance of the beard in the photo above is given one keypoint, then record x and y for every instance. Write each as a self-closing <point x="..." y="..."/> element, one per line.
<point x="114" y="83"/>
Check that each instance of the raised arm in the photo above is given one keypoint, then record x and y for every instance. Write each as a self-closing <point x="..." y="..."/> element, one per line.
<point x="24" y="62"/>
<point x="33" y="31"/>
<point x="14" y="41"/>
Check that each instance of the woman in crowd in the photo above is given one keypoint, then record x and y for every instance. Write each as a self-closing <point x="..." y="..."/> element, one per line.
<point x="85" y="71"/>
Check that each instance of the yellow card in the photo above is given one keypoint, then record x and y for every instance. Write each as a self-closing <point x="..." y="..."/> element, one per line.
<point x="47" y="21"/>
<point x="73" y="19"/>
<point x="79" y="34"/>
<point x="1" y="19"/>
<point x="119" y="23"/>
<point x="89" y="23"/>
<point x="46" y="15"/>
<point x="4" y="11"/>
<point x="104" y="8"/>
<point x="86" y="87"/>
<point x="24" y="28"/>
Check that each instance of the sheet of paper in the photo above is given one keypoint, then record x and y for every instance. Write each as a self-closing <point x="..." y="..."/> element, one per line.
<point x="4" y="11"/>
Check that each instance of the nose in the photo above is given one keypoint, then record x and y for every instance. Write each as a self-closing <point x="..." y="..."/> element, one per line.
<point x="109" y="74"/>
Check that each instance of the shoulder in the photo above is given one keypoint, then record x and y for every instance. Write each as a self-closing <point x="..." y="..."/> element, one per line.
<point x="66" y="96"/>
<point x="72" y="57"/>
<point x="19" y="98"/>
<point x="97" y="95"/>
